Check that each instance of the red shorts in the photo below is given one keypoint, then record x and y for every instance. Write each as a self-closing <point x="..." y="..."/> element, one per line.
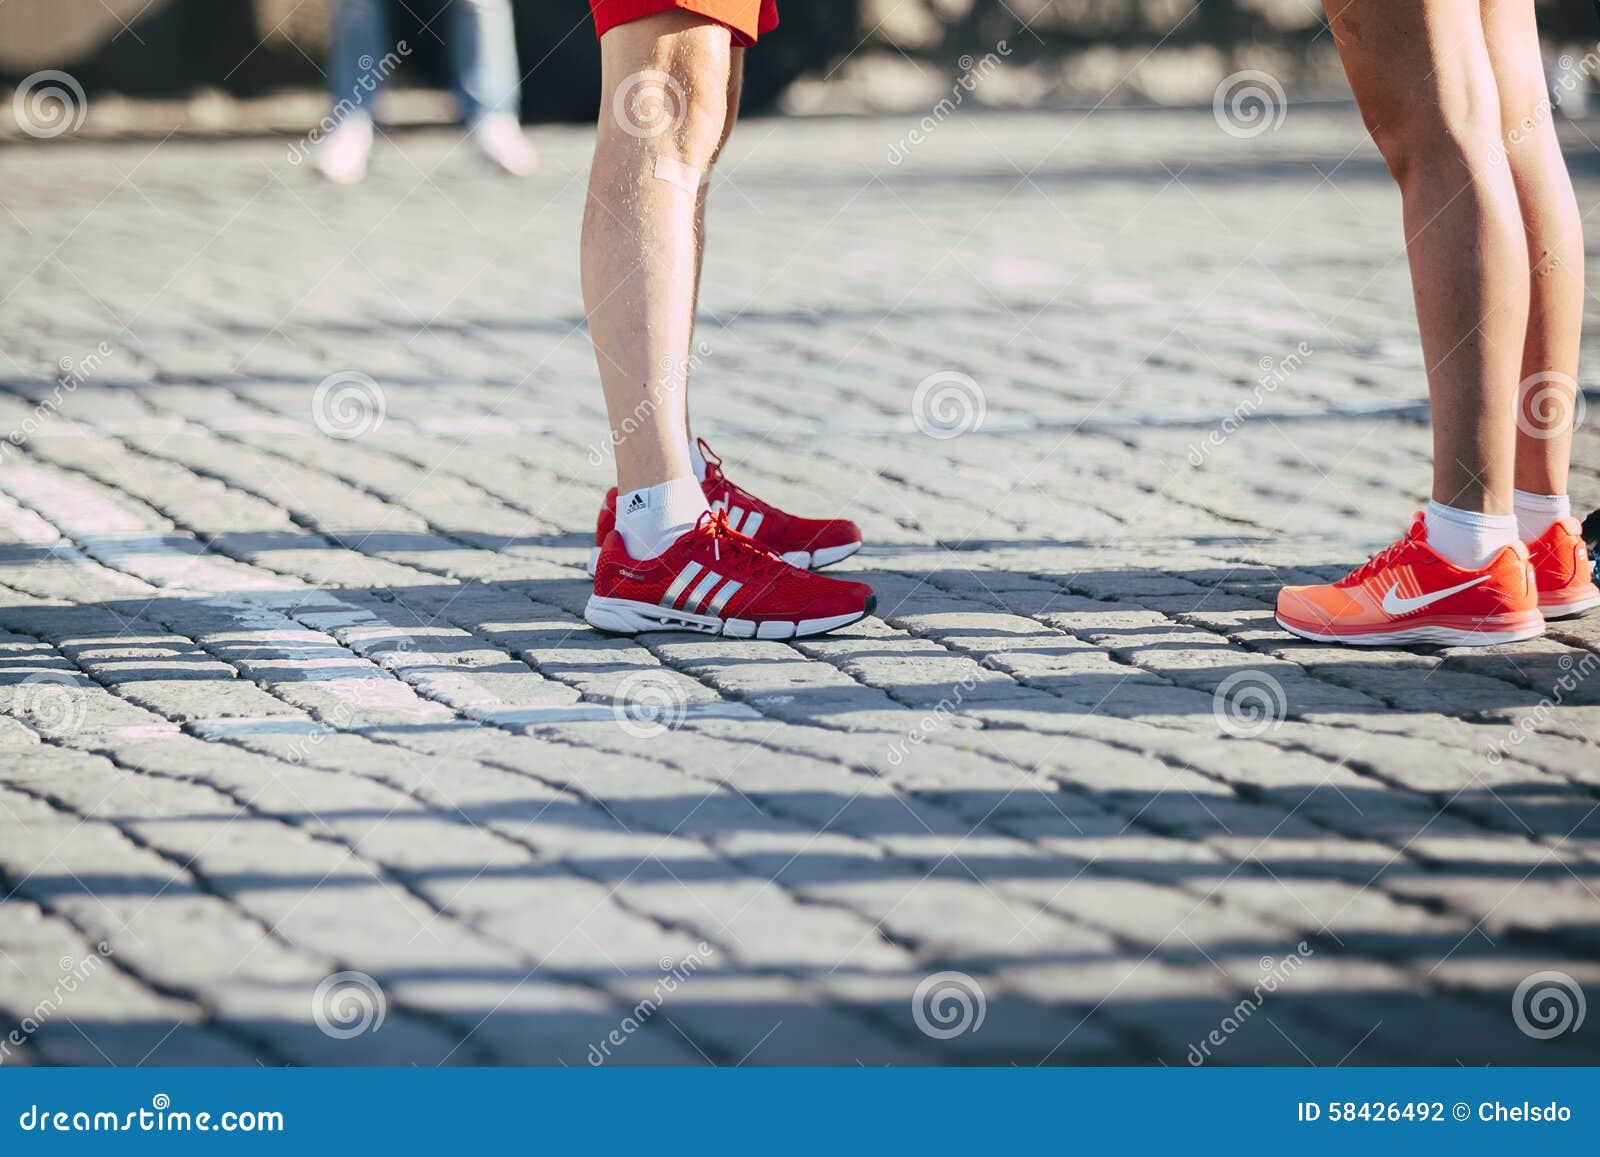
<point x="746" y="19"/>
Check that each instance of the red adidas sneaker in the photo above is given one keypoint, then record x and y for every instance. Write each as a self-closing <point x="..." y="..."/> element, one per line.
<point x="1562" y="568"/>
<point x="1407" y="593"/>
<point x="717" y="581"/>
<point x="811" y="543"/>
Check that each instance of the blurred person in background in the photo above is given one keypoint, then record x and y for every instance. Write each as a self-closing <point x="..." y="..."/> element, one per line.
<point x="677" y="545"/>
<point x="1453" y="92"/>
<point x="484" y="69"/>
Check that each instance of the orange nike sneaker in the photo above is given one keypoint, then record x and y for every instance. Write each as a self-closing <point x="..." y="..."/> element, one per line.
<point x="1407" y="593"/>
<point x="1563" y="571"/>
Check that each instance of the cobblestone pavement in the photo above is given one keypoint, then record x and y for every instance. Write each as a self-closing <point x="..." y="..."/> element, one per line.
<point x="308" y="757"/>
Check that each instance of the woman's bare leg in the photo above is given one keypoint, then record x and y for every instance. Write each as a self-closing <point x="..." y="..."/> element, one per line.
<point x="1554" y="233"/>
<point x="1422" y="75"/>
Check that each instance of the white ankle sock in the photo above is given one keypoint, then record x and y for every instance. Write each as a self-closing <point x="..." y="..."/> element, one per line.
<point x="1535" y="512"/>
<point x="652" y="519"/>
<point x="1467" y="538"/>
<point x="697" y="459"/>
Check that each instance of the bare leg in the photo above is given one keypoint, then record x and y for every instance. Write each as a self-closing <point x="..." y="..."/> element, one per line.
<point x="665" y="92"/>
<point x="1421" y="72"/>
<point x="1554" y="231"/>
<point x="735" y="83"/>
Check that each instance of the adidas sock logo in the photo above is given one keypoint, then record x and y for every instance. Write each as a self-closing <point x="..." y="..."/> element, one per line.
<point x="652" y="518"/>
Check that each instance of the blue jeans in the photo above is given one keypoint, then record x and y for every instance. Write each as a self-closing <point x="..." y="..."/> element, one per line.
<point x="483" y="55"/>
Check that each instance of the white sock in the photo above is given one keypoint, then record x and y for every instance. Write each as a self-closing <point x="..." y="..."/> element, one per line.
<point x="652" y="519"/>
<point x="1467" y="538"/>
<point x="697" y="459"/>
<point x="1535" y="512"/>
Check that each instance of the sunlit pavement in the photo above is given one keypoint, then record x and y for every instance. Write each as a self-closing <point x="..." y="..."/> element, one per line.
<point x="309" y="757"/>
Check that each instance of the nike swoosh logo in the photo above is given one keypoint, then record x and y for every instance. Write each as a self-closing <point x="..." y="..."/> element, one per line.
<point x="1393" y="604"/>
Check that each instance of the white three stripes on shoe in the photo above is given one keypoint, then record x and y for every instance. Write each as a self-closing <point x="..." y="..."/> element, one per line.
<point x="722" y="597"/>
<point x="680" y="584"/>
<point x="746" y="522"/>
<point x="700" y="600"/>
<point x="698" y="595"/>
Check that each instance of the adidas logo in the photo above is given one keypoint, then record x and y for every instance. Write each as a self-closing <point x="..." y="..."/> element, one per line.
<point x="636" y="503"/>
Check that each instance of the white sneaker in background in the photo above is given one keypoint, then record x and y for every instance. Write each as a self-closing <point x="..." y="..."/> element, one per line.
<point x="343" y="156"/>
<point x="499" y="137"/>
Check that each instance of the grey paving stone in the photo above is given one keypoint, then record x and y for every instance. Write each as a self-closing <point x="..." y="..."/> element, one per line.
<point x="279" y="707"/>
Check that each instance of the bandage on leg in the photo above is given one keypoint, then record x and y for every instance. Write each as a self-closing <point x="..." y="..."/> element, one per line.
<point x="675" y="172"/>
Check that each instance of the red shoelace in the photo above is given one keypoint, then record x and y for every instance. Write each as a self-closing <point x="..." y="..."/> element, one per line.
<point x="1383" y="558"/>
<point x="761" y="560"/>
<point x="714" y="474"/>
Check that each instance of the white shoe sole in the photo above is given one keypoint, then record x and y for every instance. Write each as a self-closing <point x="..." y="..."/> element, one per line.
<point x="1571" y="610"/>
<point x="1435" y="636"/>
<point x="817" y="559"/>
<point x="804" y="559"/>
<point x="626" y="617"/>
